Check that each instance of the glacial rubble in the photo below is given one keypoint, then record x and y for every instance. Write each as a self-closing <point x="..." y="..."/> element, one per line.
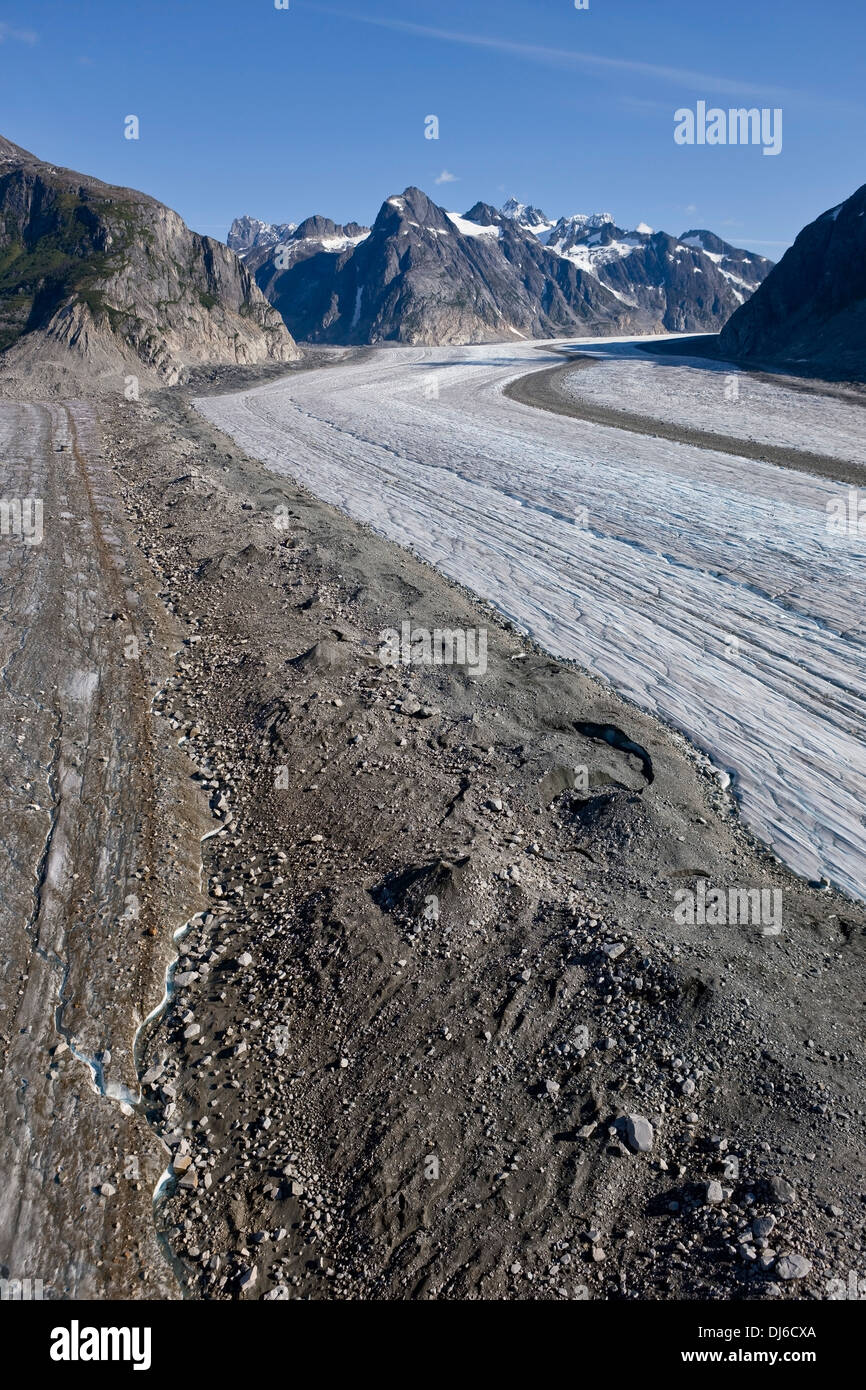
<point x="437" y="1034"/>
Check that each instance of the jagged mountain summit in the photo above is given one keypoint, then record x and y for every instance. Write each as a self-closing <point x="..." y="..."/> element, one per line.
<point x="422" y="274"/>
<point x="249" y="233"/>
<point x="525" y="215"/>
<point x="811" y="309"/>
<point x="547" y="230"/>
<point x="114" y="281"/>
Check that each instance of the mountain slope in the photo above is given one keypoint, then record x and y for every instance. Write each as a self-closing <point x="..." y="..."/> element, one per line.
<point x="424" y="275"/>
<point x="117" y="280"/>
<point x="811" y="309"/>
<point x="741" y="267"/>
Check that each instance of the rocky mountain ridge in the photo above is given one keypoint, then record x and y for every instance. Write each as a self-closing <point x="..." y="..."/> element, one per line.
<point x="112" y="280"/>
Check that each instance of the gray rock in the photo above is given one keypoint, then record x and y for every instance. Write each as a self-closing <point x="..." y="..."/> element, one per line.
<point x="781" y="1190"/>
<point x="793" y="1266"/>
<point x="639" y="1133"/>
<point x="762" y="1226"/>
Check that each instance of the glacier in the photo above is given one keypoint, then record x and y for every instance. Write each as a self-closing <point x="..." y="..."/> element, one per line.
<point x="705" y="587"/>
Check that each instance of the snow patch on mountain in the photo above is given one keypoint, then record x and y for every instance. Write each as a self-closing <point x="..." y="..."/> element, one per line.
<point x="339" y="243"/>
<point x="467" y="228"/>
<point x="591" y="258"/>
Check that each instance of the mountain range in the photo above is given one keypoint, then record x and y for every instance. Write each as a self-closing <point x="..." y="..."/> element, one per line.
<point x="111" y="278"/>
<point x="116" y="280"/>
<point x="422" y="274"/>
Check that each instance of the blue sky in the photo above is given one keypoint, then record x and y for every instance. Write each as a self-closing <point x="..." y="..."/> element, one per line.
<point x="321" y="107"/>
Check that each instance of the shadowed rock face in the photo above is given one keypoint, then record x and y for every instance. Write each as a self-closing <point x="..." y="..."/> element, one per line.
<point x="811" y="309"/>
<point x="424" y="276"/>
<point x="119" y="280"/>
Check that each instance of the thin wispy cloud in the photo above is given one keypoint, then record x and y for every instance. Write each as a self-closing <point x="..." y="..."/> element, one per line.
<point x="643" y="104"/>
<point x="9" y="32"/>
<point x="447" y="177"/>
<point x="577" y="58"/>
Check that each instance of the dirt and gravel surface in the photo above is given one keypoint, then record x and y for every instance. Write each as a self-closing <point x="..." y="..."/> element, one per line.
<point x="434" y="1030"/>
<point x="98" y="853"/>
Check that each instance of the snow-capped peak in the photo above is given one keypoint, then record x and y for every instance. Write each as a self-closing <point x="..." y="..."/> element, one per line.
<point x="530" y="217"/>
<point x="247" y="233"/>
<point x="586" y="221"/>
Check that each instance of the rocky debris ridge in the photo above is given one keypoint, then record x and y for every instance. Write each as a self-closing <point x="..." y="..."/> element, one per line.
<point x="116" y="281"/>
<point x="811" y="309"/>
